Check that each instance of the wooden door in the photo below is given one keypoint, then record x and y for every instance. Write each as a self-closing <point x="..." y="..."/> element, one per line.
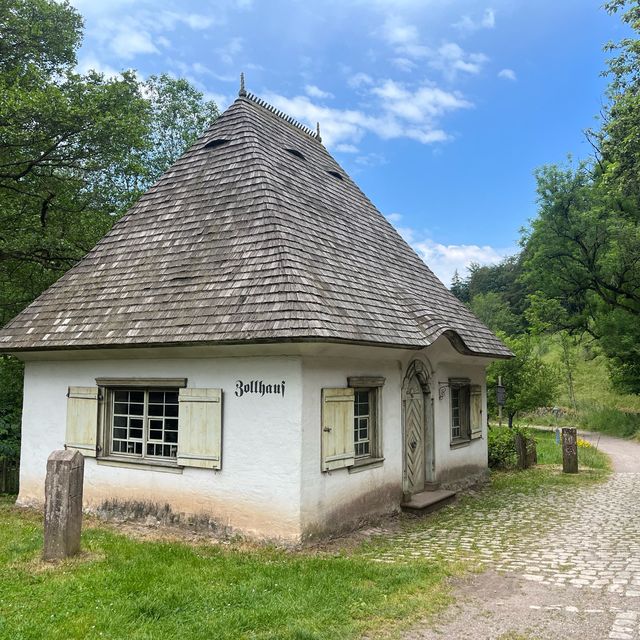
<point x="414" y="436"/>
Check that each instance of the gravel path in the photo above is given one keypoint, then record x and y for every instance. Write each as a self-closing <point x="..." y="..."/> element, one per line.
<point x="573" y="572"/>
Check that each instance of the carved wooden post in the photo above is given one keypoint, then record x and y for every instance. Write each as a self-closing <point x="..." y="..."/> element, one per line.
<point x="63" y="504"/>
<point x="569" y="450"/>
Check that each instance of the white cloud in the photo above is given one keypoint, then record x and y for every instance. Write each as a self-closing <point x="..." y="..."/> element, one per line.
<point x="359" y="80"/>
<point x="346" y="148"/>
<point x="404" y="64"/>
<point x="128" y="42"/>
<point x="397" y="111"/>
<point x="486" y="21"/>
<point x="129" y="28"/>
<point x="230" y="51"/>
<point x="221" y="100"/>
<point x="508" y="74"/>
<point x="315" y="92"/>
<point x="90" y="62"/>
<point x="404" y="38"/>
<point x="451" y="59"/>
<point x="444" y="260"/>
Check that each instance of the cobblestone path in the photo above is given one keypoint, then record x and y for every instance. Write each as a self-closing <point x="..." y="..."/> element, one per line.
<point x="586" y="539"/>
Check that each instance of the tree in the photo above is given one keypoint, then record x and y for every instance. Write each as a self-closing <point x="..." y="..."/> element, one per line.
<point x="179" y="114"/>
<point x="459" y="287"/>
<point x="75" y="152"/>
<point x="583" y="253"/>
<point x="495" y="312"/>
<point x="618" y="142"/>
<point x="529" y="382"/>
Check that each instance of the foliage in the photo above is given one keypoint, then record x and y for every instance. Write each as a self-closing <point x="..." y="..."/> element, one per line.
<point x="495" y="312"/>
<point x="11" y="370"/>
<point x="612" y="421"/>
<point x="529" y="382"/>
<point x="550" y="452"/>
<point x="495" y="293"/>
<point x="75" y="150"/>
<point x="502" y="448"/>
<point x="502" y="451"/>
<point x="179" y="115"/>
<point x="583" y="250"/>
<point x="618" y="143"/>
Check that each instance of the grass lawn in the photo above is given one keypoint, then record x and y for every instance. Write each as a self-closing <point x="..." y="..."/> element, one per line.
<point x="125" y="588"/>
<point x="121" y="587"/>
<point x="551" y="453"/>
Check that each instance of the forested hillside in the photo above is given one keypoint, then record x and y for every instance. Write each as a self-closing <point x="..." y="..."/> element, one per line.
<point x="570" y="300"/>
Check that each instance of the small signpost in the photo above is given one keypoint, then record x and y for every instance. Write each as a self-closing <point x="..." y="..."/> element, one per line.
<point x="500" y="398"/>
<point x="63" y="504"/>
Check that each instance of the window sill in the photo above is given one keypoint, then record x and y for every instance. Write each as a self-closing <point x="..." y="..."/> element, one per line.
<point x="458" y="444"/>
<point x="153" y="465"/>
<point x="365" y="463"/>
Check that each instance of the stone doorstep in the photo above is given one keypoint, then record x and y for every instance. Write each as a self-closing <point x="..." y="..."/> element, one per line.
<point x="427" y="501"/>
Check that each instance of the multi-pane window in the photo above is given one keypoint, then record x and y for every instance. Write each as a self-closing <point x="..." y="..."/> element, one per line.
<point x="455" y="412"/>
<point x="363" y="422"/>
<point x="144" y="422"/>
<point x="460" y="409"/>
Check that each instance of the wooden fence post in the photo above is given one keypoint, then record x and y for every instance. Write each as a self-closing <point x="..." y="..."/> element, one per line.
<point x="569" y="450"/>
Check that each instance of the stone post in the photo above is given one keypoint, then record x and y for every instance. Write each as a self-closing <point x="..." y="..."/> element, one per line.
<point x="569" y="450"/>
<point x="63" y="504"/>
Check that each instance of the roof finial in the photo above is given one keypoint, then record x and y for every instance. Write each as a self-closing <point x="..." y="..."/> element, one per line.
<point x="318" y="132"/>
<point x="243" y="92"/>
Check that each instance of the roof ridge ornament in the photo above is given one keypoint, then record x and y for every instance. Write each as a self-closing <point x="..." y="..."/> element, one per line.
<point x="287" y="118"/>
<point x="243" y="92"/>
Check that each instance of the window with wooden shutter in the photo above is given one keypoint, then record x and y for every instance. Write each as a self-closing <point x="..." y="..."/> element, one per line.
<point x="82" y="420"/>
<point x="200" y="428"/>
<point x="476" y="411"/>
<point x="338" y="448"/>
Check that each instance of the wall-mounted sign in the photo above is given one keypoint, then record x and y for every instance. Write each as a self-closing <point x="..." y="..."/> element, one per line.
<point x="258" y="387"/>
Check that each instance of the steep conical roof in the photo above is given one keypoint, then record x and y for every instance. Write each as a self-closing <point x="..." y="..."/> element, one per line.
<point x="254" y="234"/>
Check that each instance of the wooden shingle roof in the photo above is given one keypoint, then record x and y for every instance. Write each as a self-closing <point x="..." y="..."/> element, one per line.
<point x="255" y="234"/>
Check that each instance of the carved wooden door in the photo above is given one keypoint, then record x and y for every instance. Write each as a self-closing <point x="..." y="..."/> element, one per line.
<point x="414" y="434"/>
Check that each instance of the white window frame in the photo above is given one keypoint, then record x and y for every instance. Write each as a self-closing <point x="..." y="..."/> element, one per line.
<point x="463" y="436"/>
<point x="108" y="387"/>
<point x="373" y="386"/>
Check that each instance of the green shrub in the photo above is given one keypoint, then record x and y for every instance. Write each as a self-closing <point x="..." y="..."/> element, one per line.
<point x="502" y="446"/>
<point x="612" y="421"/>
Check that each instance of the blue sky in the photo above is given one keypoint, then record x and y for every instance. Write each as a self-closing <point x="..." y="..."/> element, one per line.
<point x="439" y="109"/>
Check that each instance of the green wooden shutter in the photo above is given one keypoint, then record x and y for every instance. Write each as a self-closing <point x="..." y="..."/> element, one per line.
<point x="338" y="449"/>
<point x="200" y="428"/>
<point x="82" y="420"/>
<point x="476" y="411"/>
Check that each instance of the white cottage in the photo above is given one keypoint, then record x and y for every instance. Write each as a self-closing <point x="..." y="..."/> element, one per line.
<point x="253" y="342"/>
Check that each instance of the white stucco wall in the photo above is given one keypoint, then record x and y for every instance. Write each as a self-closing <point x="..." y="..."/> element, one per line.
<point x="257" y="490"/>
<point x="338" y="499"/>
<point x="455" y="463"/>
<point x="271" y="483"/>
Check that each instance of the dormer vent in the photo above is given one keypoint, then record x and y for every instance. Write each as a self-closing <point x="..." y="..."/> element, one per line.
<point x="296" y="153"/>
<point x="335" y="174"/>
<point x="218" y="142"/>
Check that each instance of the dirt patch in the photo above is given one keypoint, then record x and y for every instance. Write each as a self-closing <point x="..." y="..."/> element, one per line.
<point x="492" y="606"/>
